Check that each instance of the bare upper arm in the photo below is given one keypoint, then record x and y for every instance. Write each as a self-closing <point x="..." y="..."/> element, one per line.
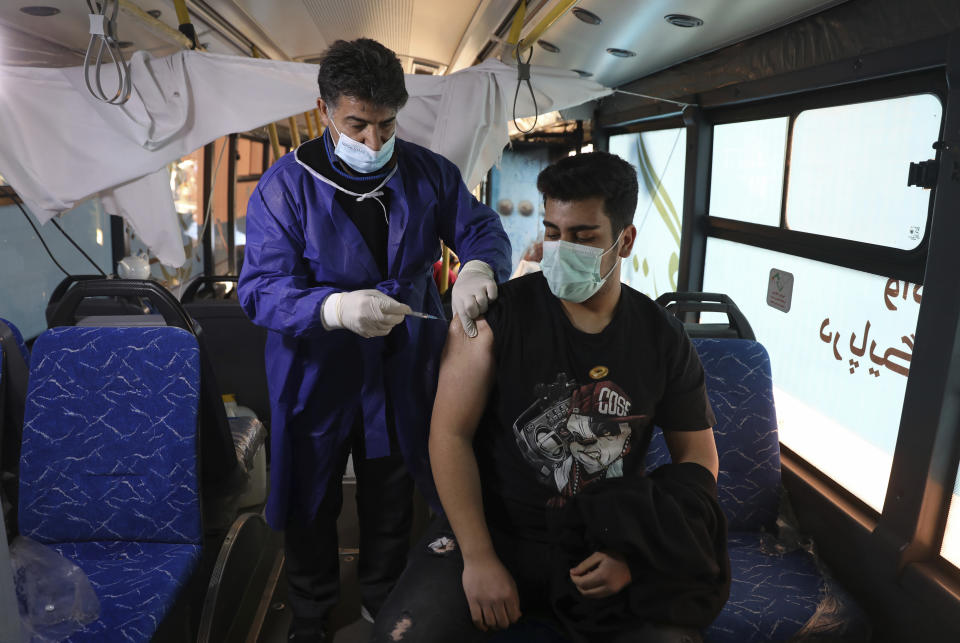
<point x="465" y="380"/>
<point x="694" y="446"/>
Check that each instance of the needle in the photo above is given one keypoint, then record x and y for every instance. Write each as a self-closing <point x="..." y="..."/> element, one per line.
<point x="414" y="313"/>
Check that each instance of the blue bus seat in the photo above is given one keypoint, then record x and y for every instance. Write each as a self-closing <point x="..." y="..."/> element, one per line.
<point x="777" y="590"/>
<point x="228" y="445"/>
<point x="108" y="467"/>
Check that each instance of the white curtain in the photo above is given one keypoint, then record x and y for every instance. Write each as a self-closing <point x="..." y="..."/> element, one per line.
<point x="59" y="146"/>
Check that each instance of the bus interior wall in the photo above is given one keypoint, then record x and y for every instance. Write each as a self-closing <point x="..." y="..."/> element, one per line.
<point x="849" y="53"/>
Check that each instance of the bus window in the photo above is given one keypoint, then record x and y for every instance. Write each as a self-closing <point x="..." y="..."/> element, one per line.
<point x="841" y="344"/>
<point x="30" y="273"/>
<point x="186" y="182"/>
<point x="660" y="158"/>
<point x="250" y="167"/>
<point x="747" y="170"/>
<point x="514" y="196"/>
<point x="219" y="213"/>
<point x="848" y="170"/>
<point x="840" y="357"/>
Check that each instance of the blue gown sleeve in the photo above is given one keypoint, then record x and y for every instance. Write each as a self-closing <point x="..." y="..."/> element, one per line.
<point x="469" y="228"/>
<point x="275" y="287"/>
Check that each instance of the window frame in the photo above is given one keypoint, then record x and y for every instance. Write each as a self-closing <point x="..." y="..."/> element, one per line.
<point x="911" y="526"/>
<point x="891" y="262"/>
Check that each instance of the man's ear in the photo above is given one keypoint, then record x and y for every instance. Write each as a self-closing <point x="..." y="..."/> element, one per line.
<point x="629" y="237"/>
<point x="324" y="114"/>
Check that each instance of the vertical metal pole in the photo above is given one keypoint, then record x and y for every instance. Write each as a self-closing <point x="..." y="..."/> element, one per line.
<point x="118" y="241"/>
<point x="232" y="205"/>
<point x="294" y="131"/>
<point x="310" y="128"/>
<point x="696" y="191"/>
<point x="272" y="127"/>
<point x="601" y="140"/>
<point x="445" y="270"/>
<point x="274" y="142"/>
<point x="207" y="241"/>
<point x="579" y="137"/>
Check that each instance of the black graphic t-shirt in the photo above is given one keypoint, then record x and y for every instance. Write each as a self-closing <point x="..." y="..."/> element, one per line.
<point x="570" y="408"/>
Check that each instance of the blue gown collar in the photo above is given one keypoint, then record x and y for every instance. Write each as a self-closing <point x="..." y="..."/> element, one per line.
<point x="397" y="217"/>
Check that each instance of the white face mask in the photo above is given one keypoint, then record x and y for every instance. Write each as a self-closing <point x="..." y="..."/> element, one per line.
<point x="359" y="156"/>
<point x="572" y="270"/>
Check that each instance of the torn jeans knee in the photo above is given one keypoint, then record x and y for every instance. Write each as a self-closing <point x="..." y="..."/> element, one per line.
<point x="442" y="546"/>
<point x="401" y="627"/>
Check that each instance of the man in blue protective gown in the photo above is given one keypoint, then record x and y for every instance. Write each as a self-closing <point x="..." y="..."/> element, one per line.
<point x="342" y="234"/>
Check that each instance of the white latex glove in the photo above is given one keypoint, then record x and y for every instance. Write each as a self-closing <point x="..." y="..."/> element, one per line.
<point x="368" y="313"/>
<point x="472" y="293"/>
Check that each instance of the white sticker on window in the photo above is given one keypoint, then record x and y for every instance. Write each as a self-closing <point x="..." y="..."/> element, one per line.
<point x="780" y="290"/>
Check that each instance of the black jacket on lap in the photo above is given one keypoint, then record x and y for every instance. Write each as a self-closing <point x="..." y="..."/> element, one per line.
<point x="671" y="530"/>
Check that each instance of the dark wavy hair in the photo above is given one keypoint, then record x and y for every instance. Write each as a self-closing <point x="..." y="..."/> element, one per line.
<point x="362" y="69"/>
<point x="595" y="174"/>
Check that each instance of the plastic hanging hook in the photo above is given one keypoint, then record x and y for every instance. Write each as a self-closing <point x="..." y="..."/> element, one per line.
<point x="97" y="24"/>
<point x="523" y="71"/>
<point x="103" y="34"/>
<point x="523" y="76"/>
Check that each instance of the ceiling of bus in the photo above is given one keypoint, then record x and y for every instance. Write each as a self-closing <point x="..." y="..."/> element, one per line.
<point x="641" y="28"/>
<point x="430" y="35"/>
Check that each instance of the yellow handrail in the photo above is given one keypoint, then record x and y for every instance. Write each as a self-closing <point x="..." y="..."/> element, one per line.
<point x="155" y="26"/>
<point x="186" y="27"/>
<point x="294" y="131"/>
<point x="517" y="25"/>
<point x="272" y="127"/>
<point x="552" y="16"/>
<point x="310" y="128"/>
<point x="183" y="16"/>
<point x="445" y="270"/>
<point x="274" y="140"/>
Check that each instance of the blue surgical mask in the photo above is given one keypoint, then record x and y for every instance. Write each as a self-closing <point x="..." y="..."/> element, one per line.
<point x="572" y="270"/>
<point x="359" y="156"/>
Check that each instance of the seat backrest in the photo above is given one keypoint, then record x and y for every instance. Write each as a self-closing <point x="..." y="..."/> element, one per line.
<point x="115" y="305"/>
<point x="110" y="436"/>
<point x="219" y="468"/>
<point x="235" y="346"/>
<point x="740" y="389"/>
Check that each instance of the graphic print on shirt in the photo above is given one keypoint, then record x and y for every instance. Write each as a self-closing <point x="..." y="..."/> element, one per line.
<point x="574" y="435"/>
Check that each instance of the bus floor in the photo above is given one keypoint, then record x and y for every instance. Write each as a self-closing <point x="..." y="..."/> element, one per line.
<point x="345" y="621"/>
